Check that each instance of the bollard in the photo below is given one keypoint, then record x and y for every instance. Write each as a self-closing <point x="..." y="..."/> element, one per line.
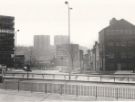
<point x="96" y="92"/>
<point x="43" y="76"/>
<point x="76" y="90"/>
<point x="128" y="80"/>
<point x="114" y="79"/>
<point x="88" y="78"/>
<point x="32" y="75"/>
<point x="23" y="76"/>
<point x="116" y="93"/>
<point x="18" y="85"/>
<point x="32" y="87"/>
<point x="61" y="92"/>
<point x="5" y="85"/>
<point x="64" y="77"/>
<point x="51" y="90"/>
<point x="45" y="87"/>
<point x="100" y="78"/>
<point x="53" y="76"/>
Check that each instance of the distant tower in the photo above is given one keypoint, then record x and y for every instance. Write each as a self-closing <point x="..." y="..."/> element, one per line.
<point x="60" y="39"/>
<point x="42" y="42"/>
<point x="41" y="46"/>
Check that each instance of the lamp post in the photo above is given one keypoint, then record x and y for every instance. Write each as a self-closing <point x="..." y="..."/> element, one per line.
<point x="15" y="44"/>
<point x="69" y="9"/>
<point x="16" y="36"/>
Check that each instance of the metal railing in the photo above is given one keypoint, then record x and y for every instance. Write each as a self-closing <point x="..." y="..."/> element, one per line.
<point x="100" y="78"/>
<point x="95" y="90"/>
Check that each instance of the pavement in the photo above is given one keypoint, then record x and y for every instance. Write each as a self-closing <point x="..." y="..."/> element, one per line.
<point x="26" y="96"/>
<point x="124" y="72"/>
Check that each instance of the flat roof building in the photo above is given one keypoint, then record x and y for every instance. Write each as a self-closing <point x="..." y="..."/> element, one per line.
<point x="67" y="55"/>
<point x="42" y="47"/>
<point x="60" y="39"/>
<point x="7" y="40"/>
<point x="42" y="42"/>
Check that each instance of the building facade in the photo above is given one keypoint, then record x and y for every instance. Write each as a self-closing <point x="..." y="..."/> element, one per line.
<point x="42" y="48"/>
<point x="27" y="52"/>
<point x="95" y="58"/>
<point x="60" y="39"/>
<point x="7" y="41"/>
<point x="19" y="61"/>
<point x="42" y="43"/>
<point x="68" y="56"/>
<point x="117" y="46"/>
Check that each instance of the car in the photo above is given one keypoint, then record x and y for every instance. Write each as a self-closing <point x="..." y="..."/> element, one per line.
<point x="27" y="68"/>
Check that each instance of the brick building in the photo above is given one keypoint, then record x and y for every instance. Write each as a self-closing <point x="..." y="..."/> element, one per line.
<point x="95" y="59"/>
<point x="117" y="46"/>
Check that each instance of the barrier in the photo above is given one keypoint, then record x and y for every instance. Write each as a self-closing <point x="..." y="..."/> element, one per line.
<point x="100" y="78"/>
<point x="96" y="91"/>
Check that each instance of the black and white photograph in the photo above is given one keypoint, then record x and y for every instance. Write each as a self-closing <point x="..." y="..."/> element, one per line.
<point x="67" y="50"/>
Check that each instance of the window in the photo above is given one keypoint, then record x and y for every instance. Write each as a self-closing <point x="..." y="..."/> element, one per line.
<point x="123" y="44"/>
<point x="117" y="43"/>
<point x="123" y="55"/>
<point x="110" y="66"/>
<point x="110" y="44"/>
<point x="131" y="43"/>
<point x="110" y="55"/>
<point x="131" y="54"/>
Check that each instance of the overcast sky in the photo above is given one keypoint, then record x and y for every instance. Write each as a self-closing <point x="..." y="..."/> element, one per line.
<point x="49" y="17"/>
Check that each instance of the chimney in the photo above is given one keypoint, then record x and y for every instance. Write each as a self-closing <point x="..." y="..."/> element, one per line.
<point x="113" y="21"/>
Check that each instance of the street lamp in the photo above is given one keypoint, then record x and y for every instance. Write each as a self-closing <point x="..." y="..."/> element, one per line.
<point x="16" y="36"/>
<point x="15" y="45"/>
<point x="69" y="8"/>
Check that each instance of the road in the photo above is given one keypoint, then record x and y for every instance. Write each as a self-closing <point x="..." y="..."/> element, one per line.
<point x="55" y="74"/>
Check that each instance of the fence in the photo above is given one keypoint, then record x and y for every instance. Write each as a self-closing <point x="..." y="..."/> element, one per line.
<point x="100" y="78"/>
<point x="95" y="90"/>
